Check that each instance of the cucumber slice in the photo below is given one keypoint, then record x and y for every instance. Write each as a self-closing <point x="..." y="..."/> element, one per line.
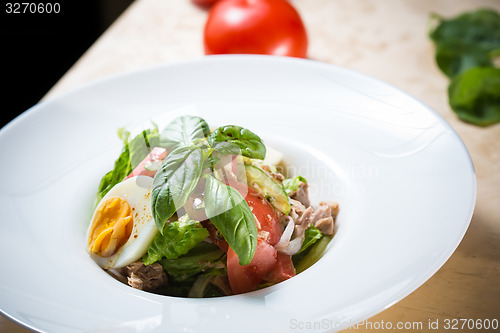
<point x="268" y="187"/>
<point x="315" y="252"/>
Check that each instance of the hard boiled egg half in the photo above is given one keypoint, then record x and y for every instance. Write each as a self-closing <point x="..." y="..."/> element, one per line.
<point x="122" y="227"/>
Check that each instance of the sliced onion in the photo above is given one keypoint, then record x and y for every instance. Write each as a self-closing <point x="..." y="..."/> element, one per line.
<point x="287" y="246"/>
<point x="287" y="234"/>
<point x="294" y="246"/>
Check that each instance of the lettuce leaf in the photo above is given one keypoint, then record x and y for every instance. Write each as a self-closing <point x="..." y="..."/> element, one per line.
<point x="133" y="152"/>
<point x="142" y="144"/>
<point x="204" y="257"/>
<point x="292" y="184"/>
<point x="120" y="170"/>
<point x="312" y="234"/>
<point x="177" y="239"/>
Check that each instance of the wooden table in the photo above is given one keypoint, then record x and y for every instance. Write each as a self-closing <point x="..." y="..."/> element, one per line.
<point x="385" y="39"/>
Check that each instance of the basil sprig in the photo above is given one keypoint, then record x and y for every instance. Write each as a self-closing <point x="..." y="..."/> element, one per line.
<point x="465" y="48"/>
<point x="175" y="181"/>
<point x="475" y="95"/>
<point x="182" y="131"/>
<point x="466" y="41"/>
<point x="230" y="214"/>
<point x="248" y="142"/>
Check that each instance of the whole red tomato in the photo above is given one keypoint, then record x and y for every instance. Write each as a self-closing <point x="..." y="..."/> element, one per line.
<point x="204" y="3"/>
<point x="255" y="26"/>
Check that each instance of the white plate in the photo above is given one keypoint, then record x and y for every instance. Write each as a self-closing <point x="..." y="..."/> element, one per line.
<point x="403" y="178"/>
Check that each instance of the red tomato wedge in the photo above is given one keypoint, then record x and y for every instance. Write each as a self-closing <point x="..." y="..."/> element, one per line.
<point x="283" y="269"/>
<point x="267" y="264"/>
<point x="247" y="278"/>
<point x="267" y="221"/>
<point x="150" y="163"/>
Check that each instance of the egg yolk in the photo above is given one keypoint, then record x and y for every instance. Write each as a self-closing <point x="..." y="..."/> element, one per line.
<point x="111" y="227"/>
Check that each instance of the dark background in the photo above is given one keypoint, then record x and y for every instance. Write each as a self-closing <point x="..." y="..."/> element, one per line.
<point x="37" y="49"/>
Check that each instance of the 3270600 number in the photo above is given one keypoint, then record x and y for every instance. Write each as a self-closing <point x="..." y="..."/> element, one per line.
<point x="32" y="8"/>
<point x="471" y="324"/>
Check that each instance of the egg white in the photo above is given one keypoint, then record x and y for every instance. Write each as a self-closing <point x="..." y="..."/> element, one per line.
<point x="136" y="191"/>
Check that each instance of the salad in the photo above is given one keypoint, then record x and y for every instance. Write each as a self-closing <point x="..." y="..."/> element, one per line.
<point x="194" y="212"/>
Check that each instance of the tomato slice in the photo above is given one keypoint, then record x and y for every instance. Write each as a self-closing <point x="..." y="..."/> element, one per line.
<point x="283" y="270"/>
<point x="267" y="219"/>
<point x="150" y="163"/>
<point x="247" y="278"/>
<point x="267" y="264"/>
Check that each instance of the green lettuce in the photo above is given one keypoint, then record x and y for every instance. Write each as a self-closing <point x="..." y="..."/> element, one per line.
<point x="133" y="152"/>
<point x="203" y="258"/>
<point x="312" y="234"/>
<point x="177" y="239"/>
<point x="292" y="184"/>
<point x="142" y="144"/>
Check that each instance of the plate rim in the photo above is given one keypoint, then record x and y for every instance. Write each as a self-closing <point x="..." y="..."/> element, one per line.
<point x="438" y="264"/>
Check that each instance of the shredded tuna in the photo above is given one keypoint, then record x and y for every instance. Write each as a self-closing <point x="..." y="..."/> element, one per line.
<point x="324" y="216"/>
<point x="302" y="194"/>
<point x="300" y="218"/>
<point x="296" y="209"/>
<point x="296" y="224"/>
<point x="147" y="278"/>
<point x="325" y="225"/>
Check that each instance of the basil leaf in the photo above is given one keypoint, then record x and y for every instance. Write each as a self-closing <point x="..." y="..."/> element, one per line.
<point x="475" y="95"/>
<point x="466" y="41"/>
<point x="454" y="57"/>
<point x="182" y="131"/>
<point x="248" y="142"/>
<point x="229" y="212"/>
<point x="178" y="238"/>
<point x="226" y="148"/>
<point x="175" y="181"/>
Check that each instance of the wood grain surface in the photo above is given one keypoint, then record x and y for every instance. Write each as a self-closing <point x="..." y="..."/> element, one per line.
<point x="385" y="39"/>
